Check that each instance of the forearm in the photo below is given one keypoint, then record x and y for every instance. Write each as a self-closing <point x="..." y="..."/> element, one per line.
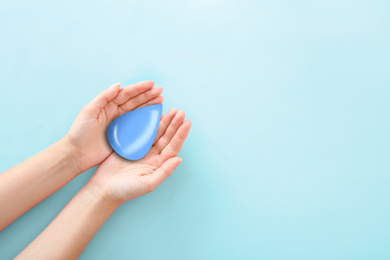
<point x="70" y="232"/>
<point x="31" y="181"/>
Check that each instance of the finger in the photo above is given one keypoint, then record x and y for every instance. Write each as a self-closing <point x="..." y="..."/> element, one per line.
<point x="132" y="90"/>
<point x="140" y="99"/>
<point x="163" y="172"/>
<point x="164" y="123"/>
<point x="154" y="101"/>
<point x="101" y="100"/>
<point x="170" y="132"/>
<point x="174" y="146"/>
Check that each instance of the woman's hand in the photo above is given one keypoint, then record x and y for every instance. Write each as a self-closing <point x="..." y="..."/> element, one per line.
<point x="84" y="146"/>
<point x="87" y="136"/>
<point x="115" y="181"/>
<point x="119" y="180"/>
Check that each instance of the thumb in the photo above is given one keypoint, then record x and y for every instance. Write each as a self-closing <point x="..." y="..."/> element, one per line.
<point x="101" y="100"/>
<point x="165" y="171"/>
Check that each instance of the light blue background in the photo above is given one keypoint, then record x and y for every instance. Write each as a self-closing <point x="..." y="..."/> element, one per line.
<point x="289" y="153"/>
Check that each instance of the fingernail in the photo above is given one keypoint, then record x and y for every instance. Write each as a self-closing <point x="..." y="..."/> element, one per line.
<point x="114" y="85"/>
<point x="181" y="159"/>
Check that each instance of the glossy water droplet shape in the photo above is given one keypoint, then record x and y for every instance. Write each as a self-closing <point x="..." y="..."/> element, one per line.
<point x="132" y="134"/>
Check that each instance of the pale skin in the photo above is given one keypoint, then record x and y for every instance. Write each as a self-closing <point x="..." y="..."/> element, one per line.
<point x="116" y="180"/>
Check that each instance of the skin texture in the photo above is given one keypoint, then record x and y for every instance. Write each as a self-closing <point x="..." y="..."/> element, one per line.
<point x="87" y="137"/>
<point x="31" y="181"/>
<point x="83" y="147"/>
<point x="115" y="181"/>
<point x="120" y="180"/>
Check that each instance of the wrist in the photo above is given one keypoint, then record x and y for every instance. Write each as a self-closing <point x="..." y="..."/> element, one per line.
<point x="100" y="196"/>
<point x="71" y="154"/>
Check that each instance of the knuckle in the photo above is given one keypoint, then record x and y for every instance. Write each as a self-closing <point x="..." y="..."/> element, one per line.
<point x="126" y="94"/>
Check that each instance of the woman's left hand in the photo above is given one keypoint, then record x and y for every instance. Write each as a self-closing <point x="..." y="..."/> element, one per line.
<point x="87" y="136"/>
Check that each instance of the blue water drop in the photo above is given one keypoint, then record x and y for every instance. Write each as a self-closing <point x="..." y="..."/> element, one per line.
<point x="132" y="134"/>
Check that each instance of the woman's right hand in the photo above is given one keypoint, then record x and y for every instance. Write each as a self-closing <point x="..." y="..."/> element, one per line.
<point x="119" y="180"/>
